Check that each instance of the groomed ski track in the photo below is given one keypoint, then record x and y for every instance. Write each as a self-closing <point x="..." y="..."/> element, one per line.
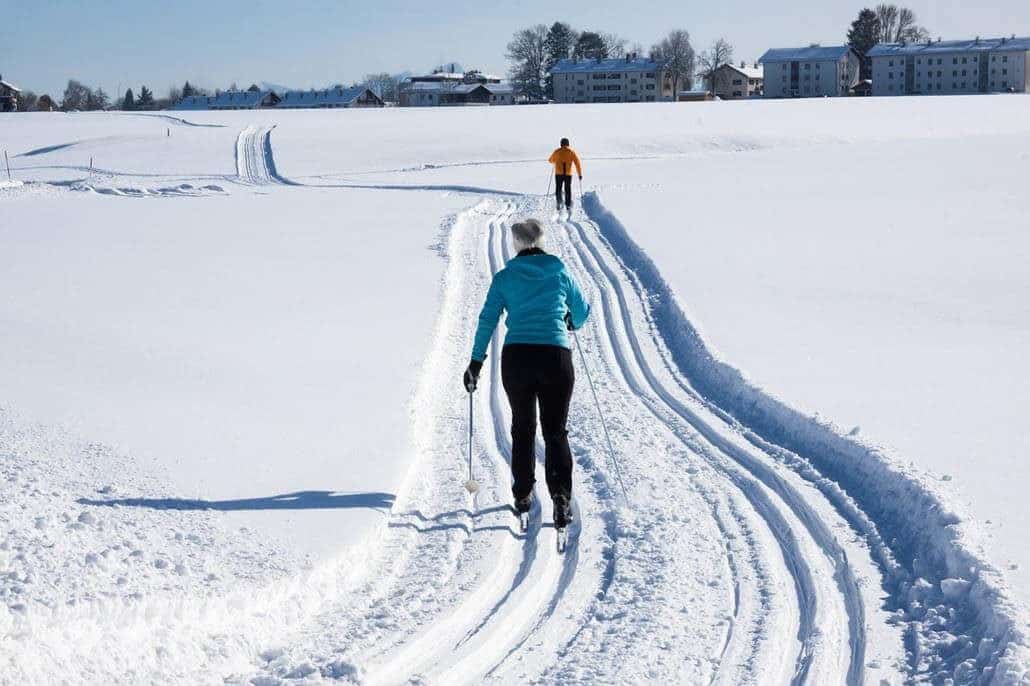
<point x="724" y="568"/>
<point x="736" y="560"/>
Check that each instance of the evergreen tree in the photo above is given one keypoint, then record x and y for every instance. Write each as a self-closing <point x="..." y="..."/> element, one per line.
<point x="187" y="90"/>
<point x="146" y="99"/>
<point x="558" y="46"/>
<point x="590" y="45"/>
<point x="863" y="35"/>
<point x="129" y="101"/>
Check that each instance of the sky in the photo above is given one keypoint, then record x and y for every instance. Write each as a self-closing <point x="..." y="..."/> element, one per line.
<point x="118" y="44"/>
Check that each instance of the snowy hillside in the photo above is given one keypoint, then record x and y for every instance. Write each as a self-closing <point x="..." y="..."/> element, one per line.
<point x="232" y="436"/>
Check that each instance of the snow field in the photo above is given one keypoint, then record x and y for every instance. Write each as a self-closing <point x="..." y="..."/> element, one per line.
<point x="760" y="544"/>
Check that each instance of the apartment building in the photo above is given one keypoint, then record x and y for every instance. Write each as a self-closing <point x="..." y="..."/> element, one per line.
<point x="996" y="65"/>
<point x="733" y="82"/>
<point x="623" y="79"/>
<point x="812" y="72"/>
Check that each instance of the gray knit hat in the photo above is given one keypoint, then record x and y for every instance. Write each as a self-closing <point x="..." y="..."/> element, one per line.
<point x="528" y="233"/>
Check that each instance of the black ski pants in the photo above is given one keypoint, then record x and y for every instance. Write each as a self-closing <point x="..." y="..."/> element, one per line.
<point x="539" y="374"/>
<point x="559" y="181"/>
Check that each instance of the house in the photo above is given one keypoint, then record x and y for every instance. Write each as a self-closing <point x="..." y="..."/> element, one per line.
<point x="994" y="65"/>
<point x="332" y="98"/>
<point x="811" y="72"/>
<point x="623" y="79"/>
<point x="8" y="96"/>
<point x="243" y="100"/>
<point x="453" y="89"/>
<point x="738" y="82"/>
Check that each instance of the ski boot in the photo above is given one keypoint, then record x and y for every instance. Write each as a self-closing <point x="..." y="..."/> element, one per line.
<point x="562" y="517"/>
<point x="522" y="506"/>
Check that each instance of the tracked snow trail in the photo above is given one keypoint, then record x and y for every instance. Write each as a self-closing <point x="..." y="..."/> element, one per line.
<point x="255" y="163"/>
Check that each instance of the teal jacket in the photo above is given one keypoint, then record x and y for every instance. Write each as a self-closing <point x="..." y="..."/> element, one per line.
<point x="536" y="291"/>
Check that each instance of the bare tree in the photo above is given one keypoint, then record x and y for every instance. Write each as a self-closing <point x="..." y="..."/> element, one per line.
<point x="174" y="95"/>
<point x="720" y="53"/>
<point x="384" y="85"/>
<point x="76" y="96"/>
<point x="898" y="25"/>
<point x="614" y="45"/>
<point x="676" y="55"/>
<point x="26" y="101"/>
<point x="527" y="53"/>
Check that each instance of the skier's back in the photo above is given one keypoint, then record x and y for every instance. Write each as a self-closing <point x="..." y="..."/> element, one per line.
<point x="543" y="302"/>
<point x="564" y="158"/>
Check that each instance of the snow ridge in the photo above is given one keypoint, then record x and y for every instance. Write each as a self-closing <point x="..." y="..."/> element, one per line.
<point x="960" y="618"/>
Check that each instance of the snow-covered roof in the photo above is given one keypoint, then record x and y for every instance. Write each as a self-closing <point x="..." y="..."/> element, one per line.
<point x="752" y="72"/>
<point x="439" y="76"/>
<point x="238" y="99"/>
<point x="438" y="87"/>
<point x="323" y="98"/>
<point x="495" y="88"/>
<point x="612" y="65"/>
<point x="810" y="54"/>
<point x="9" y="86"/>
<point x="975" y="45"/>
<point x="194" y="102"/>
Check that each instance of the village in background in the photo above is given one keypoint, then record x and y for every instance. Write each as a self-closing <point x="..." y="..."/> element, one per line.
<point x="887" y="53"/>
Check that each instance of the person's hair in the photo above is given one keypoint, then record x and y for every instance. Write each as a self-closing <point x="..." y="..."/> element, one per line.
<point x="564" y="142"/>
<point x="528" y="233"/>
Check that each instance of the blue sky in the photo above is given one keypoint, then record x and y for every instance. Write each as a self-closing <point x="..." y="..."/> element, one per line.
<point x="121" y="43"/>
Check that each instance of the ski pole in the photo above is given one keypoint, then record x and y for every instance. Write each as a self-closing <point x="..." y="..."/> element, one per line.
<point x="600" y="414"/>
<point x="581" y="191"/>
<point x="471" y="486"/>
<point x="8" y="162"/>
<point x="550" y="177"/>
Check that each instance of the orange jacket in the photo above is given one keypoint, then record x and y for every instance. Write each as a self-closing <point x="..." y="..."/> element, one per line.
<point x="563" y="159"/>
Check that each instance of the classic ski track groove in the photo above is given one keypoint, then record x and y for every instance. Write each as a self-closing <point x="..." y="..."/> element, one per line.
<point x="722" y="446"/>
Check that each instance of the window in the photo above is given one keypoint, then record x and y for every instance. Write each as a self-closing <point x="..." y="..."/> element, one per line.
<point x="992" y="84"/>
<point x="737" y="82"/>
<point x="954" y="73"/>
<point x="784" y="67"/>
<point x="963" y="60"/>
<point x="808" y="67"/>
<point x="890" y="76"/>
<point x="1004" y="72"/>
<point x="808" y="77"/>
<point x="919" y="61"/>
<point x="737" y="94"/>
<point x="890" y="63"/>
<point x="963" y="72"/>
<point x="817" y="77"/>
<point x="939" y="73"/>
<point x="1004" y="84"/>
<point x="1004" y="58"/>
<point x="615" y="87"/>
<point x="818" y="66"/>
<point x="954" y="60"/>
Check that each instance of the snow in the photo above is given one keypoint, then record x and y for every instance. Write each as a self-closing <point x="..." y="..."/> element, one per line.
<point x="233" y="439"/>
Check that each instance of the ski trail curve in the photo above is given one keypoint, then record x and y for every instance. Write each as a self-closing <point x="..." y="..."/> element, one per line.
<point x="255" y="162"/>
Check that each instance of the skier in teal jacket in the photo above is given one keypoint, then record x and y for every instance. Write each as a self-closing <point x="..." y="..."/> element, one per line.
<point x="543" y="303"/>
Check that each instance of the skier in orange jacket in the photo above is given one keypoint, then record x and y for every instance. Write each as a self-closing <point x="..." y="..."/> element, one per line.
<point x="563" y="158"/>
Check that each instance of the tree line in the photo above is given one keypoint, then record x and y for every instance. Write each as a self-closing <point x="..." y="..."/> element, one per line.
<point x="535" y="50"/>
<point x="883" y="24"/>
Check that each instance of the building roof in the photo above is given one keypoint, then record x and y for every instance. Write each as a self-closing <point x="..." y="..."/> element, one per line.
<point x="810" y="54"/>
<point x="438" y="76"/>
<point x="614" y="64"/>
<point x="975" y="45"/>
<point x="438" y="87"/>
<point x="9" y="86"/>
<point x="238" y="99"/>
<point x="749" y="72"/>
<point x="194" y="102"/>
<point x="323" y="98"/>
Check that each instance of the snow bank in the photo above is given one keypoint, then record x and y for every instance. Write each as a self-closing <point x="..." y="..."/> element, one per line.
<point x="957" y="604"/>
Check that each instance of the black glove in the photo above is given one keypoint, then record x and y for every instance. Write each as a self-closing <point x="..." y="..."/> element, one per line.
<point x="472" y="375"/>
<point x="568" y="322"/>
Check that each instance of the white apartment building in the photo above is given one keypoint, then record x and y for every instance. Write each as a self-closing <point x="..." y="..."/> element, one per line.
<point x="996" y="65"/>
<point x="738" y="82"/>
<point x="812" y="72"/>
<point x="621" y="79"/>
